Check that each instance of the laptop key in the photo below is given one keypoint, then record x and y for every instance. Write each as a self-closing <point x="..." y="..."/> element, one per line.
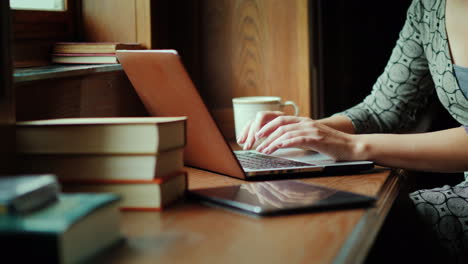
<point x="255" y="161"/>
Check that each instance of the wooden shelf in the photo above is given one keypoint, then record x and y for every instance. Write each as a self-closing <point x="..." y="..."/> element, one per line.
<point x="21" y="75"/>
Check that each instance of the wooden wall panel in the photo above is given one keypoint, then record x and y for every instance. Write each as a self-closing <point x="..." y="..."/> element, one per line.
<point x="255" y="47"/>
<point x="143" y="22"/>
<point x="230" y="47"/>
<point x="98" y="95"/>
<point x="117" y="20"/>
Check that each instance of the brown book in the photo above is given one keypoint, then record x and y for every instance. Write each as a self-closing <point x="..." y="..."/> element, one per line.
<point x="93" y="47"/>
<point x="137" y="195"/>
<point x="105" y="135"/>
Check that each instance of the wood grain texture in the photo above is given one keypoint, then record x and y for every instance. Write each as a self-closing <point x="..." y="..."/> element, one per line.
<point x="192" y="233"/>
<point x="95" y="95"/>
<point x="143" y="23"/>
<point x="117" y="20"/>
<point x="255" y="47"/>
<point x="366" y="230"/>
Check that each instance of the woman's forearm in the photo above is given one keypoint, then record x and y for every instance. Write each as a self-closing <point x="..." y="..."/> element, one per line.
<point x="441" y="151"/>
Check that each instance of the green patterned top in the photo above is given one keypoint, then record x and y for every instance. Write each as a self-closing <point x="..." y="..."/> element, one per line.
<point x="419" y="65"/>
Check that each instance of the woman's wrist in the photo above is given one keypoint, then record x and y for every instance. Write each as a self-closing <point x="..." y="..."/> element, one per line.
<point x="360" y="147"/>
<point x="338" y="122"/>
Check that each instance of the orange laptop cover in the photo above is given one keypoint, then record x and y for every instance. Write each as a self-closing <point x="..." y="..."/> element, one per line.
<point x="165" y="88"/>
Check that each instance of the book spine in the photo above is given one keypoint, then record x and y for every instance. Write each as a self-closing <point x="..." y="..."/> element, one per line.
<point x="84" y="54"/>
<point x="159" y="180"/>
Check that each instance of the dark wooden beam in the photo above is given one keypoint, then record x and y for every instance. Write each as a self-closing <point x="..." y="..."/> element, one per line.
<point x="7" y="113"/>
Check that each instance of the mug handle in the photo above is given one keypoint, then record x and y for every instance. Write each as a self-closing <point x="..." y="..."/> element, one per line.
<point x="291" y="103"/>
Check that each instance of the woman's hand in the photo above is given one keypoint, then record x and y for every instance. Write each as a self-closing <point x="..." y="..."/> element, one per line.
<point x="279" y="131"/>
<point x="247" y="136"/>
<point x="292" y="131"/>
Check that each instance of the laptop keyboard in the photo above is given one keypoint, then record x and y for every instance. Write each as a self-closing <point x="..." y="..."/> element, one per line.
<point x="255" y="161"/>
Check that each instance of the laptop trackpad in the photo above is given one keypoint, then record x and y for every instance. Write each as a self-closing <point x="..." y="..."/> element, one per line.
<point x="307" y="156"/>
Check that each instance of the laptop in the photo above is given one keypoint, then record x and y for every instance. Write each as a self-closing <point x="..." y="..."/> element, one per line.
<point x="165" y="88"/>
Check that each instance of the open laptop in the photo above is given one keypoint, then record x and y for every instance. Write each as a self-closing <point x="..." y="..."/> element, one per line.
<point x="165" y="88"/>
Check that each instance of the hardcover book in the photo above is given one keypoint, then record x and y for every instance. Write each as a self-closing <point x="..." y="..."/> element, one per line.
<point x="93" y="47"/>
<point x="145" y="195"/>
<point x="71" y="230"/>
<point x="25" y="193"/>
<point x="107" y="135"/>
<point x="84" y="58"/>
<point x="117" y="167"/>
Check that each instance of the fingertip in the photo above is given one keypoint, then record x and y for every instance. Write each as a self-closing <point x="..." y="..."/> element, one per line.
<point x="247" y="145"/>
<point x="267" y="151"/>
<point x="259" y="135"/>
<point x="259" y="149"/>
<point x="272" y="148"/>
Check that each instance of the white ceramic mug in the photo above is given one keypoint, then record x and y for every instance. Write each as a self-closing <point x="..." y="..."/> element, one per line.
<point x="246" y="108"/>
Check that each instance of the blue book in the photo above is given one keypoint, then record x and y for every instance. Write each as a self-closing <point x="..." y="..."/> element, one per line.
<point x="74" y="229"/>
<point x="25" y="193"/>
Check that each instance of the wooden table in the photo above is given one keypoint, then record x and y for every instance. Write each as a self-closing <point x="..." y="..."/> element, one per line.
<point x="188" y="232"/>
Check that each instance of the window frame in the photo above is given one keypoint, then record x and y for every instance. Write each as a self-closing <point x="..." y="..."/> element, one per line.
<point x="34" y="33"/>
<point x="36" y="24"/>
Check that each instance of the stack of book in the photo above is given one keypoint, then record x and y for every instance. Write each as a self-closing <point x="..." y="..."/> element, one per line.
<point x="89" y="52"/>
<point x="139" y="158"/>
<point x="54" y="227"/>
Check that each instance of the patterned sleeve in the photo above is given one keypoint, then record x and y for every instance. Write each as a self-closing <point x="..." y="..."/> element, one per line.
<point x="404" y="87"/>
